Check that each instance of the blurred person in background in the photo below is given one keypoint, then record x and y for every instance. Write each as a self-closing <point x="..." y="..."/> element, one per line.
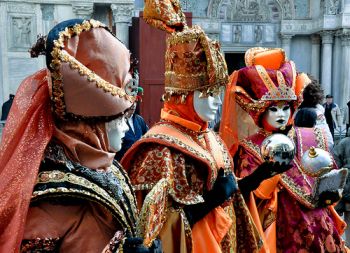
<point x="347" y="118"/>
<point x="332" y="114"/>
<point x="313" y="98"/>
<point x="305" y="117"/>
<point x="342" y="158"/>
<point x="6" y="107"/>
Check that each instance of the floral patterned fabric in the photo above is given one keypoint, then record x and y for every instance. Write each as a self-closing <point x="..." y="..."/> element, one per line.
<point x="304" y="229"/>
<point x="188" y="178"/>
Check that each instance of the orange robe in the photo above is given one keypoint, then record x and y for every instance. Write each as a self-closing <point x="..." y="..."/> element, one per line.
<point x="174" y="165"/>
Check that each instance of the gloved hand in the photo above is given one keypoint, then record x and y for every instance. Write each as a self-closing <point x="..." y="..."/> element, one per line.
<point x="327" y="198"/>
<point x="135" y="245"/>
<point x="270" y="169"/>
<point x="263" y="172"/>
<point x="223" y="189"/>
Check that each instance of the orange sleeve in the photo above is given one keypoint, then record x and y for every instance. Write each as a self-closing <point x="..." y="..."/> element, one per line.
<point x="267" y="187"/>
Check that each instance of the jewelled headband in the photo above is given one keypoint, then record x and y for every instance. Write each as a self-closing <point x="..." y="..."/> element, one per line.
<point x="280" y="92"/>
<point x="105" y="90"/>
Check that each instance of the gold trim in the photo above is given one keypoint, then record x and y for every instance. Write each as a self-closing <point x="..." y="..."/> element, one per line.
<point x="157" y="196"/>
<point x="57" y="176"/>
<point x="72" y="192"/>
<point x="182" y="145"/>
<point x="301" y="196"/>
<point x="269" y="84"/>
<point x="187" y="227"/>
<point x="282" y="92"/>
<point x="93" y="77"/>
<point x="242" y="98"/>
<point x="320" y="138"/>
<point x="255" y="149"/>
<point x="126" y="186"/>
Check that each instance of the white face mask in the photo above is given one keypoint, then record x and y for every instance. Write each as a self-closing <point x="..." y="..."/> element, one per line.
<point x="206" y="107"/>
<point x="277" y="116"/>
<point x="116" y="130"/>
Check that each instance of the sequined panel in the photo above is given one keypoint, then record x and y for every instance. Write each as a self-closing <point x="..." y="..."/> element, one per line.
<point x="40" y="245"/>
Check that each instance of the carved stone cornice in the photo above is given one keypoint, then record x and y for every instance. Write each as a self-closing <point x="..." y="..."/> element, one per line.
<point x="286" y="38"/>
<point x="338" y="33"/>
<point x="82" y="9"/>
<point x="123" y="11"/>
<point x="327" y="37"/>
<point x="345" y="37"/>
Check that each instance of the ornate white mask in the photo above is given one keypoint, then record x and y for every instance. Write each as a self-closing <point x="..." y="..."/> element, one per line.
<point x="277" y="116"/>
<point x="206" y="107"/>
<point x="116" y="130"/>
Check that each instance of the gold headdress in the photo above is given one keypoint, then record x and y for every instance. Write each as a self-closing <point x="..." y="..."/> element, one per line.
<point x="192" y="60"/>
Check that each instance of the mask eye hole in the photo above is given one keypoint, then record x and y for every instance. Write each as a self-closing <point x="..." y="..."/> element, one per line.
<point x="273" y="109"/>
<point x="286" y="107"/>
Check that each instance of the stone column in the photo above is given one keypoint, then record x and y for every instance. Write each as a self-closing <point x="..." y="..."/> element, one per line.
<point x="315" y="55"/>
<point x="122" y="14"/>
<point x="83" y="9"/>
<point x="337" y="74"/>
<point x="344" y="87"/>
<point x="286" y="40"/>
<point x="47" y="13"/>
<point x="327" y="43"/>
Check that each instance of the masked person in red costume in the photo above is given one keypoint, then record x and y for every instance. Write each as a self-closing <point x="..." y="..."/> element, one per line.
<point x="270" y="90"/>
<point x="60" y="190"/>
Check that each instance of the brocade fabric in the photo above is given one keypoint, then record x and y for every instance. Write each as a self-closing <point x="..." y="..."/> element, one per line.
<point x="301" y="227"/>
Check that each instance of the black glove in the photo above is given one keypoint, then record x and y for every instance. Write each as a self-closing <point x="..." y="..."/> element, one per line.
<point x="135" y="245"/>
<point x="264" y="171"/>
<point x="275" y="168"/>
<point x="328" y="198"/>
<point x="223" y="189"/>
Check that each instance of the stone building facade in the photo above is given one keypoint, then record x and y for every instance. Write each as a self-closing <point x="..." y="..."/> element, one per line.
<point x="314" y="33"/>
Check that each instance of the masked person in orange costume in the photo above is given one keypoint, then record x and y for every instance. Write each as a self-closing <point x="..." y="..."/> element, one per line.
<point x="269" y="90"/>
<point x="181" y="170"/>
<point x="60" y="190"/>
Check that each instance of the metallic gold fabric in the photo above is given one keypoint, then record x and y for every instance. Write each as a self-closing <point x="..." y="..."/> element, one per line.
<point x="192" y="60"/>
<point x="166" y="15"/>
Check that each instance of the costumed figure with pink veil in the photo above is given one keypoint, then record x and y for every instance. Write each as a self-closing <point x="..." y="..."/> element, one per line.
<point x="293" y="210"/>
